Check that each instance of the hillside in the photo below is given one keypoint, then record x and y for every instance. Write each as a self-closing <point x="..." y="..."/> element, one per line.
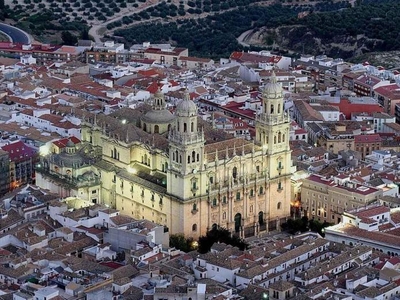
<point x="46" y="19"/>
<point x="366" y="28"/>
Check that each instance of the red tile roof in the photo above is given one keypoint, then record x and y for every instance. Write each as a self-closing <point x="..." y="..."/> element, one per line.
<point x="347" y="107"/>
<point x="359" y="189"/>
<point x="63" y="142"/>
<point x="370" y="212"/>
<point x="367" y="138"/>
<point x="19" y="151"/>
<point x="391" y="91"/>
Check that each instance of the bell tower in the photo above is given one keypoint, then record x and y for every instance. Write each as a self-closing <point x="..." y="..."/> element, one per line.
<point x="272" y="133"/>
<point x="186" y="152"/>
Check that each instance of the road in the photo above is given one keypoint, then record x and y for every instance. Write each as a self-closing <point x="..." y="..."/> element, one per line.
<point x="17" y="35"/>
<point x="244" y="37"/>
<point x="94" y="31"/>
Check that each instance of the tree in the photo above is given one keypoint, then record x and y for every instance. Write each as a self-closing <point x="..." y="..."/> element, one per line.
<point x="85" y="34"/>
<point x="180" y="242"/>
<point x="220" y="235"/>
<point x="68" y="38"/>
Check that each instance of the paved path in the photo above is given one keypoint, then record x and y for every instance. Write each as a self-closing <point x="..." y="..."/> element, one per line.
<point x="94" y="30"/>
<point x="15" y="34"/>
<point x="244" y="37"/>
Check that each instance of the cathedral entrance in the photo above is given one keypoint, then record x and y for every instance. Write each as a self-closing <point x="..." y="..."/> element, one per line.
<point x="261" y="222"/>
<point x="238" y="222"/>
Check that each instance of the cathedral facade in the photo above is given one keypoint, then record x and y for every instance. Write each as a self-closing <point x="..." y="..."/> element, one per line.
<point x="175" y="170"/>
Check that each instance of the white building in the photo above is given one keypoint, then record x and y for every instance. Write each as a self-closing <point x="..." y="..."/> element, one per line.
<point x="372" y="226"/>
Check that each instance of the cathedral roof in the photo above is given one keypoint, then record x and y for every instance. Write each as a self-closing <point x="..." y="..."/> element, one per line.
<point x="273" y="88"/>
<point x="70" y="160"/>
<point x="186" y="108"/>
<point x="158" y="116"/>
<point x="229" y="148"/>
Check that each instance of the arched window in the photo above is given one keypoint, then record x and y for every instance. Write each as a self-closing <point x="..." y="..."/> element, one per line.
<point x="224" y="199"/>
<point x="198" y="157"/>
<point x="238" y="222"/>
<point x="192" y="127"/>
<point x="272" y="108"/>
<point x="193" y="156"/>
<point x="176" y="155"/>
<point x="180" y="159"/>
<point x="279" y="108"/>
<point x="194" y="227"/>
<point x="194" y="208"/>
<point x="234" y="172"/>
<point x="188" y="159"/>
<point x="214" y="226"/>
<point x="224" y="215"/>
<point x="156" y="129"/>
<point x="261" y="190"/>
<point x="238" y="196"/>
<point x="144" y="127"/>
<point x="251" y="193"/>
<point x="279" y="205"/>
<point x="184" y="127"/>
<point x="173" y="156"/>
<point x="283" y="137"/>
<point x="214" y="202"/>
<point x="279" y="137"/>
<point x="274" y="139"/>
<point x="261" y="218"/>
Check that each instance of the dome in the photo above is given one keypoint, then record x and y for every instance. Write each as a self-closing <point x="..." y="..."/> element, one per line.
<point x="70" y="144"/>
<point x="273" y="88"/>
<point x="158" y="117"/>
<point x="75" y="160"/>
<point x="89" y="176"/>
<point x="186" y="108"/>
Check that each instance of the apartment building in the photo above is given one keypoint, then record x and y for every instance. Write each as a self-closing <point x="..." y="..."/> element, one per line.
<point x="326" y="199"/>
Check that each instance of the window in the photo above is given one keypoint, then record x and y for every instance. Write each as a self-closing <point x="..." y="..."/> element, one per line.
<point x="234" y="172"/>
<point x="214" y="202"/>
<point x="194" y="227"/>
<point x="279" y="205"/>
<point x="261" y="190"/>
<point x="224" y="199"/>
<point x="251" y="193"/>
<point x="279" y="186"/>
<point x="238" y="196"/>
<point x="211" y="179"/>
<point x="194" y="207"/>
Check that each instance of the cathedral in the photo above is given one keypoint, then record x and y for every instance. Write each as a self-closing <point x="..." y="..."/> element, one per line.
<point x="176" y="170"/>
